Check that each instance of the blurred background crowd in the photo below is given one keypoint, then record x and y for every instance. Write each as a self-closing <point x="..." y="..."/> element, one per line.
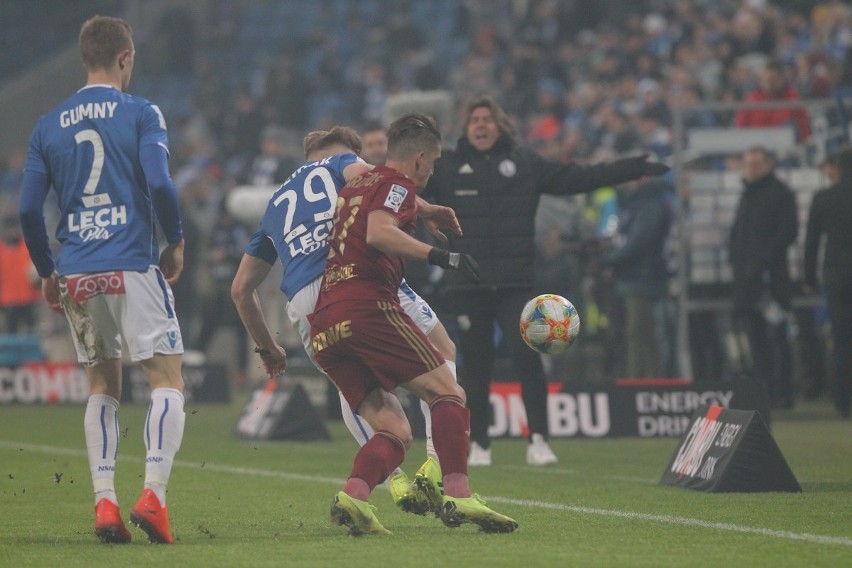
<point x="240" y="82"/>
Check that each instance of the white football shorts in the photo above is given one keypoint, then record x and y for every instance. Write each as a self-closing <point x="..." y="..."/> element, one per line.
<point x="303" y="302"/>
<point x="104" y="307"/>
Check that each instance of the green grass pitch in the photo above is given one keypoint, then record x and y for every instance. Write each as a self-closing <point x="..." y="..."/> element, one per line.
<point x="244" y="503"/>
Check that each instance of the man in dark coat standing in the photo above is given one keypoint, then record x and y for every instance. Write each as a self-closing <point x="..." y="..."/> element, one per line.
<point x="829" y="216"/>
<point x="764" y="228"/>
<point x="494" y="185"/>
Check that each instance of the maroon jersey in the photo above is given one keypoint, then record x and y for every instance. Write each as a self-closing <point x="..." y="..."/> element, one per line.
<point x="355" y="270"/>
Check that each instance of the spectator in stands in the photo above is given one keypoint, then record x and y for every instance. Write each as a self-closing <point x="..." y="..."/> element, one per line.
<point x="773" y="87"/>
<point x="185" y="290"/>
<point x="243" y="125"/>
<point x="226" y="243"/>
<point x="20" y="286"/>
<point x="12" y="175"/>
<point x="495" y="185"/>
<point x="764" y="227"/>
<point x="287" y="91"/>
<point x="640" y="270"/>
<point x="829" y="217"/>
<point x="374" y="140"/>
<point x="276" y="159"/>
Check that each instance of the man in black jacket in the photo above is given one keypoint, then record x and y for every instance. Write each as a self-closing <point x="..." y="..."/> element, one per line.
<point x="494" y="186"/>
<point x="764" y="228"/>
<point x="829" y="215"/>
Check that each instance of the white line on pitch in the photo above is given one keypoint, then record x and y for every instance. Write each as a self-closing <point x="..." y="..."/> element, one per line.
<point x="668" y="519"/>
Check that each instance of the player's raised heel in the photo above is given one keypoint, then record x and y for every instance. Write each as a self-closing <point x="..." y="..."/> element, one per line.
<point x="459" y="510"/>
<point x="150" y="516"/>
<point x="406" y="496"/>
<point x="357" y="516"/>
<point x="109" y="527"/>
<point x="429" y="485"/>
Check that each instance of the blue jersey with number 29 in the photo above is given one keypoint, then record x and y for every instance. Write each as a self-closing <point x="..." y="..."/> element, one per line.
<point x="297" y="221"/>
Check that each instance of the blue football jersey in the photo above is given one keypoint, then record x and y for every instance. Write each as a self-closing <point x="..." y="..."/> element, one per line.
<point x="297" y="221"/>
<point x="88" y="147"/>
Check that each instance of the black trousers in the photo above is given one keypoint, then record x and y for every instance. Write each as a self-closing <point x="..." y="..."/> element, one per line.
<point x="476" y="342"/>
<point x="772" y="361"/>
<point x="838" y="299"/>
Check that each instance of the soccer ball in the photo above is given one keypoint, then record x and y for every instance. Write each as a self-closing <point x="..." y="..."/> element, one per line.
<point x="549" y="323"/>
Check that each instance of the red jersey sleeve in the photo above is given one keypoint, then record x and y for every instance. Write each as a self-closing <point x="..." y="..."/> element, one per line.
<point x="397" y="198"/>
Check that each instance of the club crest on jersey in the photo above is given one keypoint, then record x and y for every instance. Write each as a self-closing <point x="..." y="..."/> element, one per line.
<point x="395" y="197"/>
<point x="508" y="168"/>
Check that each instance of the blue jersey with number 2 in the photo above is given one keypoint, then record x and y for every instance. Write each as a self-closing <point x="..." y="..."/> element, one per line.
<point x="88" y="147"/>
<point x="297" y="221"/>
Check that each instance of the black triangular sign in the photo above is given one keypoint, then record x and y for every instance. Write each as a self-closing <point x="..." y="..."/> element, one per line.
<point x="728" y="451"/>
<point x="281" y="410"/>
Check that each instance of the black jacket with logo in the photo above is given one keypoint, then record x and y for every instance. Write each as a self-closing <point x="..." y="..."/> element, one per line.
<point x="495" y="195"/>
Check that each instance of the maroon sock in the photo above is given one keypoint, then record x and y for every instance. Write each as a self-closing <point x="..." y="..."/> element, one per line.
<point x="377" y="459"/>
<point x="451" y="435"/>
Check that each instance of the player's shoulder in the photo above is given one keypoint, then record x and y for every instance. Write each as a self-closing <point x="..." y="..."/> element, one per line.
<point x="390" y="175"/>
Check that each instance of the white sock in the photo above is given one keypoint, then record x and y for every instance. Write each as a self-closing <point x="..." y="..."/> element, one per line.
<point x="427" y="417"/>
<point x="356" y="425"/>
<point x="100" y="425"/>
<point x="163" y="435"/>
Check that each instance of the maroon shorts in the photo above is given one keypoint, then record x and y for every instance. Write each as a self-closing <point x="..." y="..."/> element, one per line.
<point x="369" y="344"/>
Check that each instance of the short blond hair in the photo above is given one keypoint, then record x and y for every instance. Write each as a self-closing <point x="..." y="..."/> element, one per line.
<point x="320" y="139"/>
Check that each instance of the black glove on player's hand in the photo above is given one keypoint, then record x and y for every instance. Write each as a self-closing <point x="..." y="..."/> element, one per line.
<point x="460" y="261"/>
<point x="652" y="169"/>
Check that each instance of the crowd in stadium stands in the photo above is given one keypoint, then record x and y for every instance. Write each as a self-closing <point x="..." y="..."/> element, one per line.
<point x="584" y="80"/>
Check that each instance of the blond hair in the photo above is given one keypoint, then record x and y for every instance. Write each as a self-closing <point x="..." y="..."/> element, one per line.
<point x="321" y="139"/>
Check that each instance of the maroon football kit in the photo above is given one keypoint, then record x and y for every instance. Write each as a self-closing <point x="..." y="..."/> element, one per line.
<point x="361" y="336"/>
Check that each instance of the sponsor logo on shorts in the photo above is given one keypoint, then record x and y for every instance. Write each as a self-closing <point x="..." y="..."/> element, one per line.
<point x="86" y="286"/>
<point x="172" y="337"/>
<point x="332" y="335"/>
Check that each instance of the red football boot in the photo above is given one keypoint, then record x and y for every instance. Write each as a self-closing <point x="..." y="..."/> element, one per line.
<point x="153" y="518"/>
<point x="108" y="524"/>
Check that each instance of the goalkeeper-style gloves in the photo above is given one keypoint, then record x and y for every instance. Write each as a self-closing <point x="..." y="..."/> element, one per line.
<point x="460" y="261"/>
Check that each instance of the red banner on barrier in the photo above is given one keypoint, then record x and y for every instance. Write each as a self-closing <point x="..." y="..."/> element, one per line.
<point x="44" y="383"/>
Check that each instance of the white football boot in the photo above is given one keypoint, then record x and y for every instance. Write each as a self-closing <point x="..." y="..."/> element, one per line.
<point x="539" y="452"/>
<point x="478" y="455"/>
